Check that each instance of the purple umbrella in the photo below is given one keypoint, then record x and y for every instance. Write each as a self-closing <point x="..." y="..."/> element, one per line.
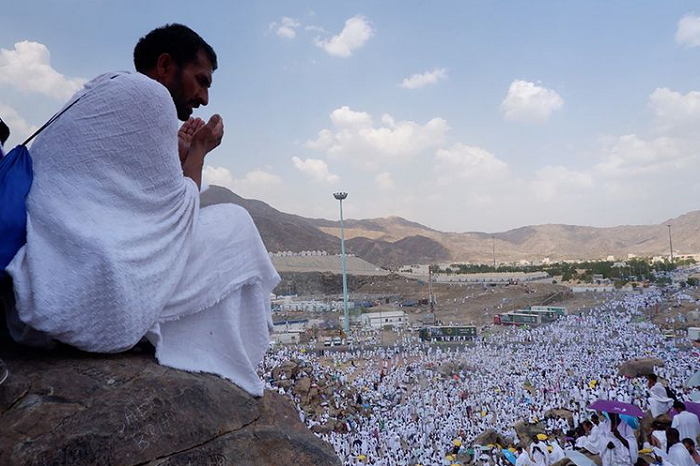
<point x="690" y="407"/>
<point x="618" y="407"/>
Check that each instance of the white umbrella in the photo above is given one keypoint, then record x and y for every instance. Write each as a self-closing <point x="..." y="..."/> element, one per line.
<point x="694" y="381"/>
<point x="579" y="458"/>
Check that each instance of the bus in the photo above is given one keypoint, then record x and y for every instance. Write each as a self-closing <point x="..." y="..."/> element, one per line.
<point x="447" y="333"/>
<point x="516" y="318"/>
<point x="547" y="315"/>
<point x="560" y="310"/>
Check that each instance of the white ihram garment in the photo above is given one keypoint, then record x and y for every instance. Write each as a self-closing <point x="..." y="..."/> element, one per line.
<point x="659" y="403"/>
<point x="117" y="246"/>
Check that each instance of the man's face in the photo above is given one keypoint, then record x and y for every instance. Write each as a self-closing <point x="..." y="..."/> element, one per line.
<point x="190" y="84"/>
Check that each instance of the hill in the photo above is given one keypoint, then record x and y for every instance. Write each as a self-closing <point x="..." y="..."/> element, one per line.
<point x="394" y="241"/>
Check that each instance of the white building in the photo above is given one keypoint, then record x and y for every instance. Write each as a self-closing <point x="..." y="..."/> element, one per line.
<point x="381" y="319"/>
<point x="289" y="331"/>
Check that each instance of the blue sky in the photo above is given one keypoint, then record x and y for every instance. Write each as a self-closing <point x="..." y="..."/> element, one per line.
<point x="460" y="115"/>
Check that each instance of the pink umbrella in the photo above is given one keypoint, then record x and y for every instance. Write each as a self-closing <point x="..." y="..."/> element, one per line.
<point x="618" y="407"/>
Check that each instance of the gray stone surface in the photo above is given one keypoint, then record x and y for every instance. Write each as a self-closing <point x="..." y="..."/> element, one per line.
<point x="66" y="408"/>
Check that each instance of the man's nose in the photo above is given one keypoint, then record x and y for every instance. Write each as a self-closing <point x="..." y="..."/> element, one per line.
<point x="204" y="96"/>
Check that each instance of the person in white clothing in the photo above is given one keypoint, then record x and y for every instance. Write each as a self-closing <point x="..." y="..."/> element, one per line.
<point x="523" y="458"/>
<point x="659" y="402"/>
<point x="539" y="452"/>
<point x="619" y="443"/>
<point x="677" y="453"/>
<point x="557" y="452"/>
<point x="115" y="205"/>
<point x="687" y="423"/>
<point x="690" y="446"/>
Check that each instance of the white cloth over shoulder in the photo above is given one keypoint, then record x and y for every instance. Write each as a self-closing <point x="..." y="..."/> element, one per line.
<point x="659" y="403"/>
<point x="687" y="424"/>
<point x="117" y="244"/>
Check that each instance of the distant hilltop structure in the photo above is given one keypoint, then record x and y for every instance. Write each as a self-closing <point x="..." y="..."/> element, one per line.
<point x="303" y="254"/>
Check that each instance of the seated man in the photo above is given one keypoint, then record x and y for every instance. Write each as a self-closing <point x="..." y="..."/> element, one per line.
<point x="659" y="402"/>
<point x="117" y="246"/>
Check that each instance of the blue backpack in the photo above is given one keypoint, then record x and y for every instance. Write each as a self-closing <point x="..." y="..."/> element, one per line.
<point x="16" y="175"/>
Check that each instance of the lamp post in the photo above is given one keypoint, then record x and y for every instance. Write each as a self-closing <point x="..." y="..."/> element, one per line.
<point x="670" y="243"/>
<point x="493" y="245"/>
<point x="340" y="196"/>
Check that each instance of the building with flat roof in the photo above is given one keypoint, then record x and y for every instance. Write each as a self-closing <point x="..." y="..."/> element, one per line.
<point x="381" y="319"/>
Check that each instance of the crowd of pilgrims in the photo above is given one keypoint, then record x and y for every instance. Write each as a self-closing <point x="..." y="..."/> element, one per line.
<point x="415" y="415"/>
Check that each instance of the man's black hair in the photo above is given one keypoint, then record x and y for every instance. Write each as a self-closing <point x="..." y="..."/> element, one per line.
<point x="178" y="41"/>
<point x="4" y="132"/>
<point x="679" y="406"/>
<point x="652" y="377"/>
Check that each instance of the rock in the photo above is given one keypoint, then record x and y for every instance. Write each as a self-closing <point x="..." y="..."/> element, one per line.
<point x="290" y="369"/>
<point x="639" y="367"/>
<point x="446" y="369"/>
<point x="67" y="407"/>
<point x="490" y="437"/>
<point x="560" y="413"/>
<point x="526" y="431"/>
<point x="323" y="428"/>
<point x="302" y="386"/>
<point x="285" y="383"/>
<point x="463" y="457"/>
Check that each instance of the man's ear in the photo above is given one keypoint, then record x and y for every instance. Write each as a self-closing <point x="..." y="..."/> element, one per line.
<point x="165" y="68"/>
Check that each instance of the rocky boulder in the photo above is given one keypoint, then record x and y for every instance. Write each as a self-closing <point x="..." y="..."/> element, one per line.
<point x="525" y="431"/>
<point x="561" y="413"/>
<point x="66" y="408"/>
<point x="490" y="437"/>
<point x="639" y="367"/>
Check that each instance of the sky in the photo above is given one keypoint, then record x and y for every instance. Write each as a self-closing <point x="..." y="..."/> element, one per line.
<point x="461" y="115"/>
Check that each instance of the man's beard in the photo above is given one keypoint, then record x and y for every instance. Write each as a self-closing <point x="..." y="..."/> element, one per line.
<point x="183" y="110"/>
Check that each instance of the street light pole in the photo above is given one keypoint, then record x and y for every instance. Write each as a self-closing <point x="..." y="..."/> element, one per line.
<point x="340" y="196"/>
<point x="670" y="243"/>
<point x="493" y="245"/>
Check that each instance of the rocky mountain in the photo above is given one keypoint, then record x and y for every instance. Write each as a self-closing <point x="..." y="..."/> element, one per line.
<point x="396" y="241"/>
<point x="279" y="231"/>
<point x="65" y="407"/>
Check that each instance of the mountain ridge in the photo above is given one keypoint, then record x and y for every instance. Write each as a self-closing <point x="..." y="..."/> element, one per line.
<point x="394" y="241"/>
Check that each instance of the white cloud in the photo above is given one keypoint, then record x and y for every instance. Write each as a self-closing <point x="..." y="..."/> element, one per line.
<point x="355" y="34"/>
<point x="254" y="185"/>
<point x="318" y="29"/>
<point x="469" y="163"/>
<point x="27" y="67"/>
<point x="424" y="79"/>
<point x="344" y="117"/>
<point x="20" y="129"/>
<point x="285" y="29"/>
<point x="527" y="102"/>
<point x="688" y="32"/>
<point x="632" y="156"/>
<point x="553" y="182"/>
<point x="384" y="180"/>
<point x="355" y="136"/>
<point x="675" y="111"/>
<point x="316" y="169"/>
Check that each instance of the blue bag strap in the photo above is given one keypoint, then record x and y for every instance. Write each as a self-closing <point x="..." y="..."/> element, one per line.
<point x="51" y="120"/>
